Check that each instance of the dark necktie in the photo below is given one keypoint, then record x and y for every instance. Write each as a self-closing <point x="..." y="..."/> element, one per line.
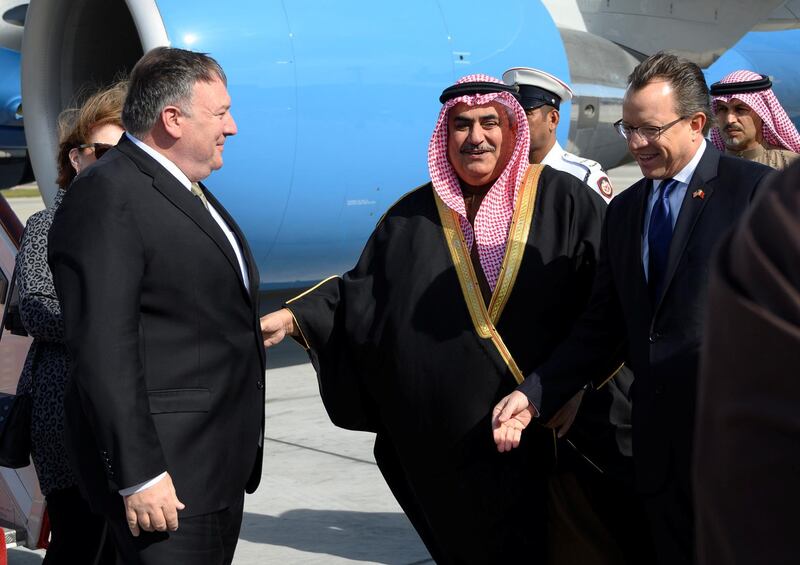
<point x="659" y="236"/>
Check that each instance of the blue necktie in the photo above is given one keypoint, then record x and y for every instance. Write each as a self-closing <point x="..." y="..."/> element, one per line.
<point x="659" y="236"/>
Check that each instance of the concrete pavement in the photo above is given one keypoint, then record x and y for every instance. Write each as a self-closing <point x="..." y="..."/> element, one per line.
<point x="624" y="176"/>
<point x="26" y="206"/>
<point x="322" y="498"/>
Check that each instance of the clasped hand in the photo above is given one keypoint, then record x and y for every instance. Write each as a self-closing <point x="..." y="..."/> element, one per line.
<point x="513" y="414"/>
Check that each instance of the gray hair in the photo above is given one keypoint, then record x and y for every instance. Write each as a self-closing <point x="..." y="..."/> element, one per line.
<point x="687" y="80"/>
<point x="165" y="76"/>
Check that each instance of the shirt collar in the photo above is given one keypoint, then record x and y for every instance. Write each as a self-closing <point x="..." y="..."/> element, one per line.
<point x="163" y="161"/>
<point x="685" y="174"/>
<point x="553" y="154"/>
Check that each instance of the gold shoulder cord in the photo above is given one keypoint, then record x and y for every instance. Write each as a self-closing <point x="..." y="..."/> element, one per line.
<point x="611" y="376"/>
<point x="515" y="248"/>
<point x="517" y="240"/>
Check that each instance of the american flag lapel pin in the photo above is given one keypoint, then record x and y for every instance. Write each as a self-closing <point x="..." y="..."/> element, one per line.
<point x="699" y="194"/>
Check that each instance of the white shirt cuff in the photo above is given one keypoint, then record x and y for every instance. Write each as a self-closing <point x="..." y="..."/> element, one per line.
<point x="141" y="486"/>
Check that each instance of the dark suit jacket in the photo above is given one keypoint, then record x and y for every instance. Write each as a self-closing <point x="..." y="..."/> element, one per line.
<point x="747" y="461"/>
<point x="168" y="370"/>
<point x="663" y="340"/>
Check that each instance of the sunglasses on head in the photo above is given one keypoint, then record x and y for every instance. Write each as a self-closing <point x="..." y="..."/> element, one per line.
<point x="99" y="149"/>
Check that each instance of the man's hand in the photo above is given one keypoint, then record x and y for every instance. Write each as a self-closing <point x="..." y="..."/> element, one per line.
<point x="153" y="509"/>
<point x="277" y="325"/>
<point x="509" y="418"/>
<point x="564" y="418"/>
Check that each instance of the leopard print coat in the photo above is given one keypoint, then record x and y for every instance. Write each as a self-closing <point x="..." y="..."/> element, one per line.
<point x="47" y="365"/>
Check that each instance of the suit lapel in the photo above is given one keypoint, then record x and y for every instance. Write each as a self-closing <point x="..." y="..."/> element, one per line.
<point x="249" y="262"/>
<point x="697" y="196"/>
<point x="184" y="200"/>
<point x="247" y="254"/>
<point x="636" y="219"/>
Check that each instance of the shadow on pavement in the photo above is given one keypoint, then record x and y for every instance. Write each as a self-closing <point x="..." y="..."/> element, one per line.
<point x="376" y="537"/>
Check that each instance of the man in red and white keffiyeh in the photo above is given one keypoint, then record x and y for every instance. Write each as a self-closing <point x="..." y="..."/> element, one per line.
<point x="751" y="123"/>
<point x="477" y="158"/>
<point x="399" y="351"/>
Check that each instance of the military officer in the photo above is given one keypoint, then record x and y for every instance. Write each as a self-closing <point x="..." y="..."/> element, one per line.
<point x="541" y="94"/>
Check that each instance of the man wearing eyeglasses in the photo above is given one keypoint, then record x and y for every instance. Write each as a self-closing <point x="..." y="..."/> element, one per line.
<point x="649" y="295"/>
<point x="596" y="483"/>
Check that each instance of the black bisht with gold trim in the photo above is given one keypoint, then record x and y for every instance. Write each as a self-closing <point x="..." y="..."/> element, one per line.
<point x="398" y="352"/>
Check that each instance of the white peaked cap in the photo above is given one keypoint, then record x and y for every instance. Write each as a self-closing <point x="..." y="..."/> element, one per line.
<point x="526" y="76"/>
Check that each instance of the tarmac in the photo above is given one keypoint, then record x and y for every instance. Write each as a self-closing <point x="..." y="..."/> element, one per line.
<point x="322" y="499"/>
<point x="25" y="206"/>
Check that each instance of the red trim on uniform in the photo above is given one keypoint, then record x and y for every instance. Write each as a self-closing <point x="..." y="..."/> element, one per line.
<point x="604" y="186"/>
<point x="11" y="224"/>
<point x="44" y="533"/>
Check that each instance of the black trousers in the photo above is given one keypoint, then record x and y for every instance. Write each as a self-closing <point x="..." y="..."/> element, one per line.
<point x="671" y="519"/>
<point x="76" y="534"/>
<point x="209" y="539"/>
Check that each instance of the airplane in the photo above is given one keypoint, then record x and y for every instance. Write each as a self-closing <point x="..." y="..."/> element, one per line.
<point x="15" y="167"/>
<point x="772" y="53"/>
<point x="335" y="101"/>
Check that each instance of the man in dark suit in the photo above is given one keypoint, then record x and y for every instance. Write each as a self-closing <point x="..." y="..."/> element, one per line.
<point x="746" y="464"/>
<point x="164" y="412"/>
<point x="649" y="295"/>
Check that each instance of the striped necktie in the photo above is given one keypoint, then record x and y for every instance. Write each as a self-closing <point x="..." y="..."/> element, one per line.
<point x="197" y="191"/>
<point x="659" y="236"/>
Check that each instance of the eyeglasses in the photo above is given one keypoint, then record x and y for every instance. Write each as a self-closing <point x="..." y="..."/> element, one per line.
<point x="99" y="149"/>
<point x="650" y="133"/>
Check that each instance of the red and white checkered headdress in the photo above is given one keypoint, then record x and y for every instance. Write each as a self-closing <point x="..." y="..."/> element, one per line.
<point x="493" y="219"/>
<point x="778" y="130"/>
